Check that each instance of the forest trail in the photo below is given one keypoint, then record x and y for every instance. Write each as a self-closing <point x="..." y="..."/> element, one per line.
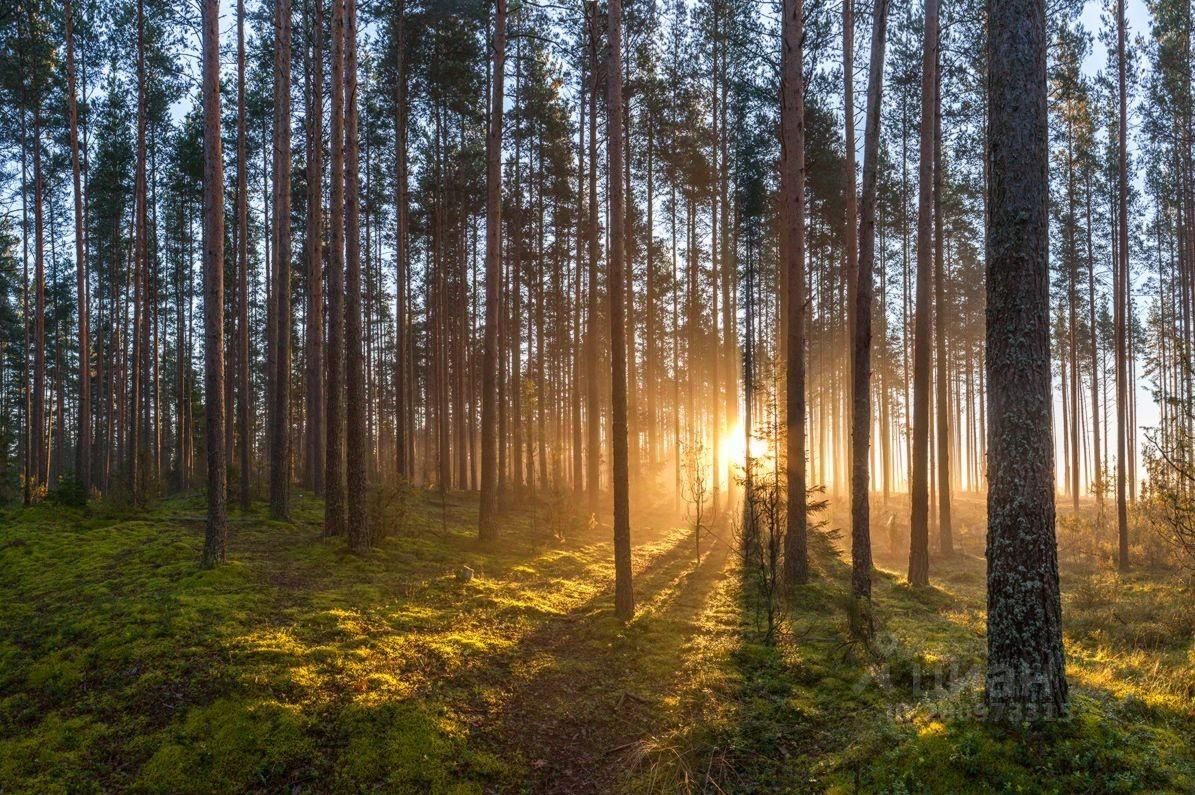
<point x="580" y="707"/>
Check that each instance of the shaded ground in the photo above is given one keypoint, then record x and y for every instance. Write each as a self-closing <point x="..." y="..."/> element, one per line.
<point x="299" y="668"/>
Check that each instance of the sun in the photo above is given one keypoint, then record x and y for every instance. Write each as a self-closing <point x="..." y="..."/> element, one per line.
<point x="735" y="446"/>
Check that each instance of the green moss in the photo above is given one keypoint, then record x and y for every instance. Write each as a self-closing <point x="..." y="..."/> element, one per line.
<point x="125" y="667"/>
<point x="230" y="745"/>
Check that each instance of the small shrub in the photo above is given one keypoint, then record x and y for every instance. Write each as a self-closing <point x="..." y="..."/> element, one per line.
<point x="69" y="493"/>
<point x="389" y="508"/>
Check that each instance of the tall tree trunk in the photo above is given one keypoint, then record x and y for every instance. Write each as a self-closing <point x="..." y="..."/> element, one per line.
<point x="357" y="441"/>
<point x="923" y="323"/>
<point x="280" y="408"/>
<point x="216" y="532"/>
<point x="864" y="292"/>
<point x="244" y="395"/>
<point x="942" y="401"/>
<point x="624" y="596"/>
<point x="83" y="446"/>
<point x="850" y="228"/>
<point x="140" y="266"/>
<point x="1097" y="463"/>
<point x="488" y="518"/>
<point x="334" y="480"/>
<point x="593" y="410"/>
<point x="1121" y="289"/>
<point x="315" y="259"/>
<point x="402" y="430"/>
<point x="1026" y="670"/>
<point x="792" y="178"/>
<point x="40" y="443"/>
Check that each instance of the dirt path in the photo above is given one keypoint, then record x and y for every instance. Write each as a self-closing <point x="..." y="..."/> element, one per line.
<point x="583" y="692"/>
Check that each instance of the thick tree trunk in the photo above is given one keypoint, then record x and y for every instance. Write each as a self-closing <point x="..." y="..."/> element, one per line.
<point x="624" y="596"/>
<point x="1026" y="674"/>
<point x="792" y="178"/>
<point x="488" y="518"/>
<point x="216" y="533"/>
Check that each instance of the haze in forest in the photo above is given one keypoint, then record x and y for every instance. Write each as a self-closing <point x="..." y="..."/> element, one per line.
<point x="696" y="395"/>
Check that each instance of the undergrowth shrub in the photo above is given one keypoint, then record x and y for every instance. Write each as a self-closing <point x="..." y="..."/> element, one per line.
<point x="390" y="508"/>
<point x="69" y="493"/>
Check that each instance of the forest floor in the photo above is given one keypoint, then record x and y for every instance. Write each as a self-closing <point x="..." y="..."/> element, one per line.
<point x="300" y="668"/>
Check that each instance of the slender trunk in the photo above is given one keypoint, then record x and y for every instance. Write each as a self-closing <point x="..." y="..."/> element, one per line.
<point x="216" y="533"/>
<point x="83" y="446"/>
<point x="140" y="266"/>
<point x="1122" y="285"/>
<point x="334" y="480"/>
<point x="624" y="596"/>
<point x="356" y="438"/>
<point x="592" y="396"/>
<point x="864" y="292"/>
<point x="488" y="524"/>
<point x="792" y="177"/>
<point x="923" y="323"/>
<point x="280" y="408"/>
<point x="315" y="271"/>
<point x="243" y="393"/>
<point x="402" y="372"/>
<point x="945" y="531"/>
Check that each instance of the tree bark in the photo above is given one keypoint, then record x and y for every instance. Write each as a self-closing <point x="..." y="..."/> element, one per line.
<point x="593" y="410"/>
<point x="942" y="401"/>
<point x="488" y="517"/>
<point x="334" y="480"/>
<point x="356" y="438"/>
<point x="280" y="407"/>
<point x="792" y="178"/>
<point x="244" y="438"/>
<point x="403" y="441"/>
<point x="1121" y="289"/>
<point x="864" y="293"/>
<point x="1026" y="671"/>
<point x="315" y="260"/>
<point x="83" y="446"/>
<point x="923" y="322"/>
<point x="216" y="531"/>
<point x="624" y="596"/>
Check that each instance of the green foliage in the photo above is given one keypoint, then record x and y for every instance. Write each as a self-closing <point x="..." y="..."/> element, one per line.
<point x="69" y="493"/>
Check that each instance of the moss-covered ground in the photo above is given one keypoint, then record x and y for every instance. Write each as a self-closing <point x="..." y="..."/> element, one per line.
<point x="300" y="668"/>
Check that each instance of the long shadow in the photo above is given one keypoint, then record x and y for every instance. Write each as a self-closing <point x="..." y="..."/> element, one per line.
<point x="584" y="689"/>
<point x="579" y="646"/>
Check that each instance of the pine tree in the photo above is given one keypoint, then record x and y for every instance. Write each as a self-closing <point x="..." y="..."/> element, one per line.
<point x="216" y="534"/>
<point x="1026" y="672"/>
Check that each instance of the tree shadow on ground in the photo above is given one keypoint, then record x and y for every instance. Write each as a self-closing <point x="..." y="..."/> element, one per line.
<point x="585" y="690"/>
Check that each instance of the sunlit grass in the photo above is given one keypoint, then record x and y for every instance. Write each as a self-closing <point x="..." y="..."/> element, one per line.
<point x="123" y="666"/>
